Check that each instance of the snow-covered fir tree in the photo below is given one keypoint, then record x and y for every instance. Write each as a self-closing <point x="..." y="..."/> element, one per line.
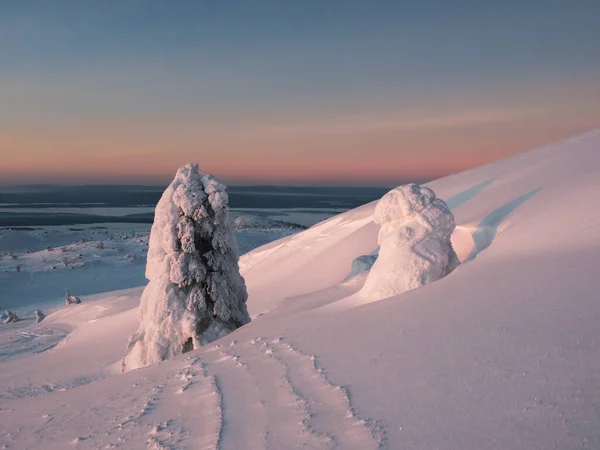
<point x="195" y="292"/>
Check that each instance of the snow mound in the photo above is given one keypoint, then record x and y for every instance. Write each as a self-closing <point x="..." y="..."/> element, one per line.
<point x="414" y="239"/>
<point x="196" y="293"/>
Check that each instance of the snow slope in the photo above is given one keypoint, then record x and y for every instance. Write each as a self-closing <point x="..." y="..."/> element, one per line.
<point x="500" y="354"/>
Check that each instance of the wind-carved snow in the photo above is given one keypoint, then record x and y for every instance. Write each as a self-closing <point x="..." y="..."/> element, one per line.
<point x="27" y="341"/>
<point x="414" y="239"/>
<point x="196" y="293"/>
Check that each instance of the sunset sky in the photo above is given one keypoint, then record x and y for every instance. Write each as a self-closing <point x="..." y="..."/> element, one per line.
<point x="288" y="91"/>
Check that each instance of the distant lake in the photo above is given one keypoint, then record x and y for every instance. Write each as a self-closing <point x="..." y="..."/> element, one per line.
<point x="27" y="206"/>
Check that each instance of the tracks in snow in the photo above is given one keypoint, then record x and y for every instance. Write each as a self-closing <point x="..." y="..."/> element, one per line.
<point x="255" y="395"/>
<point x="274" y="396"/>
<point x="330" y="406"/>
<point x="183" y="410"/>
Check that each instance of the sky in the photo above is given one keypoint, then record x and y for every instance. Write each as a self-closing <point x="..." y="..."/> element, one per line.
<point x="288" y="91"/>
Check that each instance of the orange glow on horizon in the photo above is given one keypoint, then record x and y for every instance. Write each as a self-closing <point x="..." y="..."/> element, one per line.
<point x="326" y="150"/>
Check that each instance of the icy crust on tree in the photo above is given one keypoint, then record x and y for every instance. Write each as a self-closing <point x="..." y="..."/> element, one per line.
<point x="414" y="239"/>
<point x="196" y="293"/>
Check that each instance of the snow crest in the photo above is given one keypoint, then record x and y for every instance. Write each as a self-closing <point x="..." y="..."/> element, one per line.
<point x="414" y="239"/>
<point x="196" y="293"/>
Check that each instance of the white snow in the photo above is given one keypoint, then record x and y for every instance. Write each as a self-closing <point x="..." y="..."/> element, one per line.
<point x="500" y="354"/>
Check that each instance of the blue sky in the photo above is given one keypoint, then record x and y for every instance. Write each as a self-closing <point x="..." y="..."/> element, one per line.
<point x="204" y="68"/>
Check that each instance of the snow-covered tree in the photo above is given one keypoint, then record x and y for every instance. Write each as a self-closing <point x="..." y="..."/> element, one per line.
<point x="10" y="317"/>
<point x="414" y="239"/>
<point x="39" y="316"/>
<point x="71" y="299"/>
<point x="196" y="293"/>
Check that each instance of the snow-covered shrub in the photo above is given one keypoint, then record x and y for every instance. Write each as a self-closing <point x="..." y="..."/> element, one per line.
<point x="39" y="316"/>
<point x="196" y="293"/>
<point x="10" y="317"/>
<point x="414" y="239"/>
<point x="71" y="299"/>
<point x="129" y="257"/>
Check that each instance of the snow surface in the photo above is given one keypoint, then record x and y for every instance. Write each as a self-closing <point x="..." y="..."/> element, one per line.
<point x="500" y="354"/>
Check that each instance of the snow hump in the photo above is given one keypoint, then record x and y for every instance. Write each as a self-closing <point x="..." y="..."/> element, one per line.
<point x="414" y="240"/>
<point x="195" y="293"/>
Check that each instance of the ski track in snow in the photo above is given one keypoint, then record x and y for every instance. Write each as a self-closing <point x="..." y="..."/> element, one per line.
<point x="330" y="406"/>
<point x="259" y="394"/>
<point x="244" y="422"/>
<point x="271" y="415"/>
<point x="275" y="397"/>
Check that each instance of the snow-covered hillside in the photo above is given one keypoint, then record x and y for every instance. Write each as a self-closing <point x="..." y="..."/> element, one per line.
<point x="500" y="354"/>
<point x="37" y="265"/>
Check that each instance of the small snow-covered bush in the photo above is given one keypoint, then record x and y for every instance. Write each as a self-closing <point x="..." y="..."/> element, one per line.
<point x="71" y="299"/>
<point x="39" y="316"/>
<point x="414" y="239"/>
<point x="129" y="257"/>
<point x="196" y="293"/>
<point x="10" y="317"/>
